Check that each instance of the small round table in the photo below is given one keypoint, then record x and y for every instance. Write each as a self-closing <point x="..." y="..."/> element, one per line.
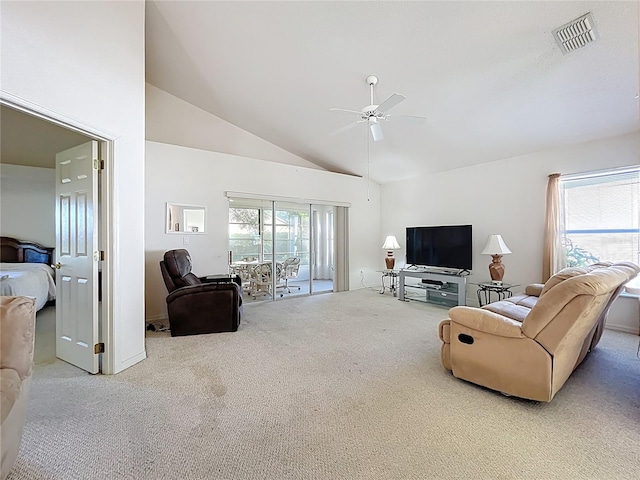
<point x="502" y="291"/>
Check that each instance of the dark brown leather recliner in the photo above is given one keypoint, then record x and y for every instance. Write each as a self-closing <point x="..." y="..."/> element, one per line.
<point x="199" y="305"/>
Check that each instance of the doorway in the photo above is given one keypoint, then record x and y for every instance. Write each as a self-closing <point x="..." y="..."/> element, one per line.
<point x="29" y="144"/>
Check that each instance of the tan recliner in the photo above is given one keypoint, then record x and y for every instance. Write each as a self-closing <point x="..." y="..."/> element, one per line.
<point x="17" y="331"/>
<point x="528" y="346"/>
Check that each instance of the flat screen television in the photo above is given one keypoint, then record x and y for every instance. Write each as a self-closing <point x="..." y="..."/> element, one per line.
<point x="446" y="246"/>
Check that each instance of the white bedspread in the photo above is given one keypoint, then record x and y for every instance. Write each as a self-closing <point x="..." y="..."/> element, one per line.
<point x="28" y="279"/>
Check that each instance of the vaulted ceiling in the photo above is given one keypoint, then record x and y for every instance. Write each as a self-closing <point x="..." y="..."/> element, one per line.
<point x="488" y="76"/>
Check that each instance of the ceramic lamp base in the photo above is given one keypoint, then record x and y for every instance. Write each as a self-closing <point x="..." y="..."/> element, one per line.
<point x="390" y="261"/>
<point x="496" y="269"/>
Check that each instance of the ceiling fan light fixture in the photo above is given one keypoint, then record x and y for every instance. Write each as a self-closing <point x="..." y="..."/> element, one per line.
<point x="376" y="129"/>
<point x="373" y="112"/>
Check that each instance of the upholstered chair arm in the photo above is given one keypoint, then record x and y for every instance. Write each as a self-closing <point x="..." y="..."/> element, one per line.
<point x="213" y="289"/>
<point x="444" y="330"/>
<point x="534" y="289"/>
<point x="17" y="322"/>
<point x="223" y="279"/>
<point x="17" y="336"/>
<point x="486" y="321"/>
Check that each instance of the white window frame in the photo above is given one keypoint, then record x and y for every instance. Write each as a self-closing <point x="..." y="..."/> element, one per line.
<point x="599" y="176"/>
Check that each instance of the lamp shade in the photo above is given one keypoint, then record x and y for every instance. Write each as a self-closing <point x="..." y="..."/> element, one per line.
<point x="495" y="246"/>
<point x="390" y="243"/>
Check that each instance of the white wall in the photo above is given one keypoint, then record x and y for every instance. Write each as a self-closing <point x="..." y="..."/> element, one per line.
<point x="170" y="119"/>
<point x="505" y="197"/>
<point x="84" y="61"/>
<point x="27" y="203"/>
<point x="197" y="177"/>
<point x="624" y="314"/>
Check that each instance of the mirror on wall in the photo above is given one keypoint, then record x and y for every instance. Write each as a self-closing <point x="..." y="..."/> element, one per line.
<point x="182" y="218"/>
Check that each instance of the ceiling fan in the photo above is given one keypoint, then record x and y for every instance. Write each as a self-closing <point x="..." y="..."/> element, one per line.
<point x="373" y="114"/>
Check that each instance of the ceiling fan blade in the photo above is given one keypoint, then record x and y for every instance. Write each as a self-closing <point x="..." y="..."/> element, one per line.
<point x="390" y="102"/>
<point x="406" y="118"/>
<point x="345" y="128"/>
<point x="376" y="131"/>
<point x="345" y="111"/>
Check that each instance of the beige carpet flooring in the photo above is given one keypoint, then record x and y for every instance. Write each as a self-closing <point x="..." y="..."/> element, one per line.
<point x="338" y="386"/>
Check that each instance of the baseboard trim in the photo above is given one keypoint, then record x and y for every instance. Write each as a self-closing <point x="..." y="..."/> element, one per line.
<point x="156" y="318"/>
<point x="622" y="328"/>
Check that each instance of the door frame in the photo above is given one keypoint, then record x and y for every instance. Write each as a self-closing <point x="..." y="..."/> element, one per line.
<point x="106" y="225"/>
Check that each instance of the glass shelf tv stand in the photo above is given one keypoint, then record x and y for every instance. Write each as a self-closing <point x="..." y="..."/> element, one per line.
<point x="439" y="288"/>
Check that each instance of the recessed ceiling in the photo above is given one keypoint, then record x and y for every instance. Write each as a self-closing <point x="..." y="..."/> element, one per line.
<point x="33" y="142"/>
<point x="488" y="76"/>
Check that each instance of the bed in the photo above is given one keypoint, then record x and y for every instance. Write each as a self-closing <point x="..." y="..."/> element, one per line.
<point x="25" y="270"/>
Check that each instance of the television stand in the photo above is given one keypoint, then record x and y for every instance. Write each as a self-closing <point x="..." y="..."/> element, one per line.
<point x="446" y="289"/>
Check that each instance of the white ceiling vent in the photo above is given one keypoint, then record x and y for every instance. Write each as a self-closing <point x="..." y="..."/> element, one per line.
<point x="576" y="34"/>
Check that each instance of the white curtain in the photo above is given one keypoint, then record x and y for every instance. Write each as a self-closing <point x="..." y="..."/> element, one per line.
<point x="323" y="242"/>
<point x="341" y="228"/>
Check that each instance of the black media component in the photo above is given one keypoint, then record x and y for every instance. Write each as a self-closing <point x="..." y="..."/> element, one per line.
<point x="446" y="246"/>
<point x="432" y="282"/>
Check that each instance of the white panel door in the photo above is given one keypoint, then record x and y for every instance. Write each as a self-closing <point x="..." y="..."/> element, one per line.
<point x="76" y="245"/>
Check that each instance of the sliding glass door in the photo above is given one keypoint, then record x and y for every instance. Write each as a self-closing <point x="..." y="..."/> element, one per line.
<point x="292" y="245"/>
<point x="282" y="249"/>
<point x="250" y="235"/>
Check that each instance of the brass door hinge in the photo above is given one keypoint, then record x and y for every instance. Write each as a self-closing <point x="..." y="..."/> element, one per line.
<point x="98" y="164"/>
<point x="98" y="348"/>
<point x="98" y="255"/>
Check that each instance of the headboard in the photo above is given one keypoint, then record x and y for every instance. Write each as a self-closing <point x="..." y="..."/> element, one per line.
<point x="19" y="251"/>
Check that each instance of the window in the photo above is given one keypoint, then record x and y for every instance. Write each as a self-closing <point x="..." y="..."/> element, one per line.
<point x="600" y="217"/>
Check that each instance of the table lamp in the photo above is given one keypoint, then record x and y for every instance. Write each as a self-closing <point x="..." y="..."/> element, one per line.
<point x="390" y="244"/>
<point x="496" y="248"/>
